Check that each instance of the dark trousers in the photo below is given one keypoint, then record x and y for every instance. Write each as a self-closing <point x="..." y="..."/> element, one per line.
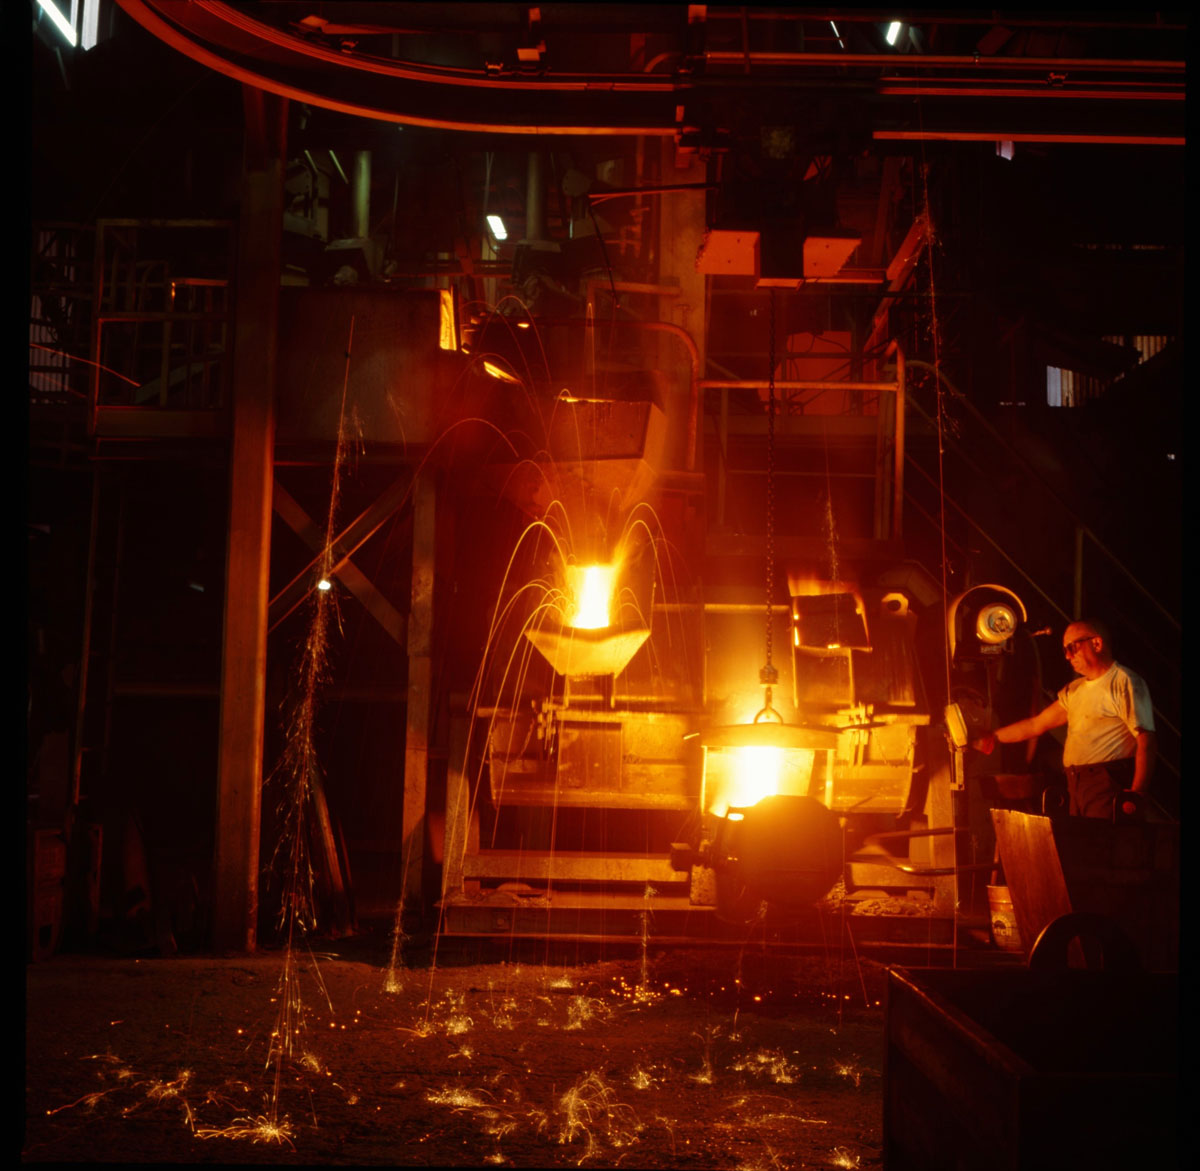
<point x="1093" y="787"/>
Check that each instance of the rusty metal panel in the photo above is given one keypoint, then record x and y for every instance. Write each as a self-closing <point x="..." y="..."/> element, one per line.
<point x="870" y="788"/>
<point x="1032" y="871"/>
<point x="589" y="756"/>
<point x="571" y="866"/>
<point x="602" y="759"/>
<point x="873" y="769"/>
<point x="888" y="677"/>
<point x="822" y="679"/>
<point x="728" y="253"/>
<point x="1128" y="873"/>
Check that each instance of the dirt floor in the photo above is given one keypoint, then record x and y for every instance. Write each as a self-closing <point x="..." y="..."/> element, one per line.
<point x="683" y="1058"/>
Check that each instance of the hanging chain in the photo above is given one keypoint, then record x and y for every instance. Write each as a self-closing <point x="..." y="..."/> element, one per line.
<point x="769" y="675"/>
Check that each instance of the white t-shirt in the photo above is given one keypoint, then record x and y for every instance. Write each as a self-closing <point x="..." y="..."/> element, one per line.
<point x="1104" y="716"/>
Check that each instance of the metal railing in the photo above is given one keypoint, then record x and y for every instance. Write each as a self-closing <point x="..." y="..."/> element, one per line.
<point x="161" y="326"/>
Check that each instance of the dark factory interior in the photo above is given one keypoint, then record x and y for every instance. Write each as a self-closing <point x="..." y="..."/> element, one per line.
<point x="602" y="475"/>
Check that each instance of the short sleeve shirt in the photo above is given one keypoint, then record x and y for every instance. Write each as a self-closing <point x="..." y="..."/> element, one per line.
<point x="1104" y="716"/>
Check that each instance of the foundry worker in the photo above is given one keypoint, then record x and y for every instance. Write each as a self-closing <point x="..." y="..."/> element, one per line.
<point x="1110" y="745"/>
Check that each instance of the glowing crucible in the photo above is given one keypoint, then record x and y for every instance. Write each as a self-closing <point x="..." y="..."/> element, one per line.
<point x="589" y="643"/>
<point x="746" y="762"/>
<point x="590" y="588"/>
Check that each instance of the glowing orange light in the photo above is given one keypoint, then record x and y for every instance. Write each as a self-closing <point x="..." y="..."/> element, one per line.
<point x="447" y="327"/>
<point x="755" y="774"/>
<point x="499" y="373"/>
<point x="590" y="588"/>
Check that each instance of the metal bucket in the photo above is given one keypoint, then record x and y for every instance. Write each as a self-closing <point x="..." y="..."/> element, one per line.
<point x="1004" y="919"/>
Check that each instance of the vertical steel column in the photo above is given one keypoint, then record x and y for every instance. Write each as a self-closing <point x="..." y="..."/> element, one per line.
<point x="681" y="228"/>
<point x="420" y="687"/>
<point x="1077" y="600"/>
<point x="244" y="643"/>
<point x="361" y="227"/>
<point x="898" y="460"/>
<point x="85" y="648"/>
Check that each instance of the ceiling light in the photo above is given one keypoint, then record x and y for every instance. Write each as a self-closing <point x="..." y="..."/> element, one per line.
<point x="893" y="32"/>
<point x="497" y="226"/>
<point x="60" y="22"/>
<point x="90" y="26"/>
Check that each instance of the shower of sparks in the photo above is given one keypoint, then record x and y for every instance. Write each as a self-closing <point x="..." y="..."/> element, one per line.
<point x="850" y="1072"/>
<point x="298" y="776"/>
<point x="641" y="1080"/>
<point x="134" y="1094"/>
<point x="391" y="981"/>
<point x="669" y="1127"/>
<point x="582" y="1009"/>
<point x="504" y="1015"/>
<point x="643" y="991"/>
<point x="768" y="1064"/>
<point x="459" y="1098"/>
<point x="770" y="1164"/>
<point x="840" y="1157"/>
<point x="87" y="1102"/>
<point x="706" y="1077"/>
<point x="159" y="1090"/>
<point x="591" y="1113"/>
<point x="256" y="1130"/>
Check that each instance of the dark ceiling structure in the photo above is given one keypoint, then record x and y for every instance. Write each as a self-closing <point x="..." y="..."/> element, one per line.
<point x="667" y="70"/>
<point x="924" y="269"/>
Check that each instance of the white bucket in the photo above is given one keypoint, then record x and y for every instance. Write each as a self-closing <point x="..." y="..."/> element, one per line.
<point x="1004" y="921"/>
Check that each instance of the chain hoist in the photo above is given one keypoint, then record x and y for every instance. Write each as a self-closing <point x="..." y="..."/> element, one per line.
<point x="769" y="675"/>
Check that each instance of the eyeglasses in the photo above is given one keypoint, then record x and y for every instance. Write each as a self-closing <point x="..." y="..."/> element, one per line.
<point x="1072" y="647"/>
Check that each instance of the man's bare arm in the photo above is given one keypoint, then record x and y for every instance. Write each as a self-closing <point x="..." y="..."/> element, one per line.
<point x="1143" y="761"/>
<point x="1054" y="716"/>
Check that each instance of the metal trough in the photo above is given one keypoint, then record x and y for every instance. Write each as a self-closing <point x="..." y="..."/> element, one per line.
<point x="1003" y="1070"/>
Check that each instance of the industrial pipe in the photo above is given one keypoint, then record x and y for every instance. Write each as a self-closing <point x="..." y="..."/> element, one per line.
<point x="361" y="226"/>
<point x="535" y="200"/>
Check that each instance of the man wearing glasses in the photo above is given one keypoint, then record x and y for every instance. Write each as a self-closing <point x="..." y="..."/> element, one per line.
<point x="1110" y="745"/>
